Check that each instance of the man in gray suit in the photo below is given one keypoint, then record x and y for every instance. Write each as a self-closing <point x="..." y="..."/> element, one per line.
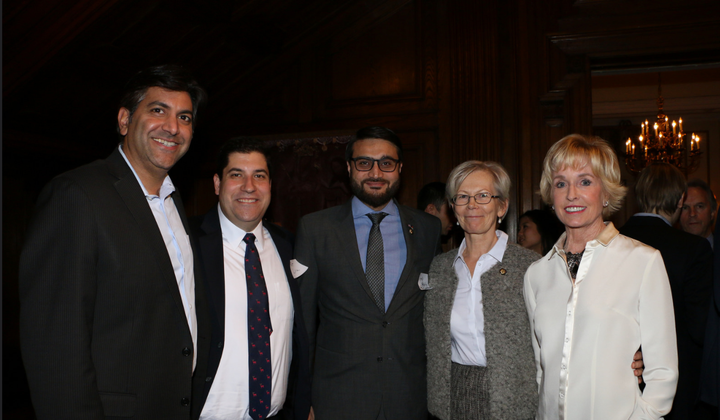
<point x="111" y="315"/>
<point x="362" y="268"/>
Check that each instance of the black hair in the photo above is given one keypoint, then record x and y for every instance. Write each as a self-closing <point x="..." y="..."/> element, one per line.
<point x="432" y="193"/>
<point x="548" y="226"/>
<point x="374" y="133"/>
<point x="243" y="145"/>
<point x="167" y="76"/>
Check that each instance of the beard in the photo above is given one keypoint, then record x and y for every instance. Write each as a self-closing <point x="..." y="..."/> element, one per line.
<point x="374" y="199"/>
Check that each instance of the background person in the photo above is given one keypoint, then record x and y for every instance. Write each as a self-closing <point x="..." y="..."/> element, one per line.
<point x="480" y="360"/>
<point x="597" y="297"/>
<point x="688" y="262"/>
<point x="699" y="209"/>
<point x="539" y="230"/>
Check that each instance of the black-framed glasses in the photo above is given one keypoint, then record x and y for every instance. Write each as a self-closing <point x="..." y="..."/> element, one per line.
<point x="480" y="198"/>
<point x="364" y="164"/>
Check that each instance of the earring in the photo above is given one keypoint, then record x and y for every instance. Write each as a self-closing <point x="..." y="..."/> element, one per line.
<point x="605" y="204"/>
<point x="457" y="223"/>
<point x="499" y="220"/>
<point x="553" y="207"/>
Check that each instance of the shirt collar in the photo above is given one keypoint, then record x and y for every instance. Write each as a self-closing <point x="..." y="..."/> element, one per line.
<point x="234" y="235"/>
<point x="360" y="209"/>
<point x="166" y="188"/>
<point x="603" y="239"/>
<point x="497" y="251"/>
<point x="654" y="215"/>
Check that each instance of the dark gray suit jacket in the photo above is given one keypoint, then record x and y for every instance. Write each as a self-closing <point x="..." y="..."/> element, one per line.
<point x="363" y="360"/>
<point x="102" y="325"/>
<point x="209" y="246"/>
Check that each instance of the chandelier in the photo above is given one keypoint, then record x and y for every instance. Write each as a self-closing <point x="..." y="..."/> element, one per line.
<point x="662" y="142"/>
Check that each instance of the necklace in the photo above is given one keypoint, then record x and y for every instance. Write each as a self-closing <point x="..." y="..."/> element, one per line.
<point x="573" y="262"/>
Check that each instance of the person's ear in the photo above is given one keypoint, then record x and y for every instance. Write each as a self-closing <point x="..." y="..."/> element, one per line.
<point x="123" y="120"/>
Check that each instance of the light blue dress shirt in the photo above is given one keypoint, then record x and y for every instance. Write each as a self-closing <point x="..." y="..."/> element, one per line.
<point x="393" y="242"/>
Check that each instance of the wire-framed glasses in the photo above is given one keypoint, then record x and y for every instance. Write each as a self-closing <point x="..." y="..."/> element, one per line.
<point x="480" y="198"/>
<point x="364" y="164"/>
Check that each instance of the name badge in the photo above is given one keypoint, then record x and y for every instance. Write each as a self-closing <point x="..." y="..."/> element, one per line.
<point x="423" y="282"/>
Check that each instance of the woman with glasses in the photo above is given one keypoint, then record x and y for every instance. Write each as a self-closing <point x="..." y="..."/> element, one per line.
<point x="480" y="357"/>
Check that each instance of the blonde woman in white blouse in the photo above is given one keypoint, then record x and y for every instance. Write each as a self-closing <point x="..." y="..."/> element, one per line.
<point x="596" y="297"/>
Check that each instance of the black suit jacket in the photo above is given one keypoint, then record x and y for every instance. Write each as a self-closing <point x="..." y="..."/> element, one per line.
<point x="103" y="329"/>
<point x="364" y="360"/>
<point x="688" y="261"/>
<point x="710" y="381"/>
<point x="209" y="247"/>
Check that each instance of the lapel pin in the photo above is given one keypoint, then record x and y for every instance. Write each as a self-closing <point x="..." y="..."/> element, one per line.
<point x="503" y="271"/>
<point x="410" y="228"/>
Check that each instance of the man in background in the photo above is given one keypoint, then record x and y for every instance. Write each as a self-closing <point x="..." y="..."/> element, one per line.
<point x="431" y="200"/>
<point x="688" y="261"/>
<point x="699" y="209"/>
<point x="362" y="270"/>
<point x="110" y="308"/>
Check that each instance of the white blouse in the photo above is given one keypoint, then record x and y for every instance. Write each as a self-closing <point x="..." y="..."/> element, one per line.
<point x="585" y="334"/>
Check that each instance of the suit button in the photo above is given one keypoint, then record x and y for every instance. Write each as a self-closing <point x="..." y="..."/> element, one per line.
<point x="186" y="351"/>
<point x="385" y="324"/>
<point x="208" y="379"/>
<point x="379" y="359"/>
<point x="185" y="401"/>
<point x="220" y="345"/>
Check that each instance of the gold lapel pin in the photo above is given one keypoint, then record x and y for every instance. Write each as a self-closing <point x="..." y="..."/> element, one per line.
<point x="503" y="271"/>
<point x="410" y="229"/>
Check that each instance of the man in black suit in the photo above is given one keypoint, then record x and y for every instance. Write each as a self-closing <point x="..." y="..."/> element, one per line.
<point x="688" y="261"/>
<point x="710" y="379"/>
<point x="109" y="305"/>
<point x="367" y="342"/>
<point x="223" y="388"/>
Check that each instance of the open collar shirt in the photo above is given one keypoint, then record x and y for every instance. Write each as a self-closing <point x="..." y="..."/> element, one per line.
<point x="585" y="333"/>
<point x="467" y="320"/>
<point x="177" y="243"/>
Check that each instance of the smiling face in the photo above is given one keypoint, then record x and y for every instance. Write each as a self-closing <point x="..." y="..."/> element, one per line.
<point x="696" y="216"/>
<point x="578" y="199"/>
<point x="158" y="133"/>
<point x="528" y="235"/>
<point x="375" y="188"/>
<point x="474" y="218"/>
<point x="244" y="189"/>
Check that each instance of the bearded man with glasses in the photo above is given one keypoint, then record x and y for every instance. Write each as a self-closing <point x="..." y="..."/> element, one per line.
<point x="362" y="270"/>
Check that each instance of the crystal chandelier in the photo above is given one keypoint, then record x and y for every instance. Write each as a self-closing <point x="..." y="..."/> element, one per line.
<point x="662" y="142"/>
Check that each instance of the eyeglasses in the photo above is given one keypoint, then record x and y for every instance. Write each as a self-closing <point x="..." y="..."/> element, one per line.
<point x="364" y="164"/>
<point x="480" y="198"/>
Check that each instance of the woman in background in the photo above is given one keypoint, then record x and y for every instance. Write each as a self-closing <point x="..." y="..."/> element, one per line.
<point x="597" y="297"/>
<point x="538" y="231"/>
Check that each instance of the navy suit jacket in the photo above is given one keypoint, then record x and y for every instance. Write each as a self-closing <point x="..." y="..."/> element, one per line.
<point x="209" y="246"/>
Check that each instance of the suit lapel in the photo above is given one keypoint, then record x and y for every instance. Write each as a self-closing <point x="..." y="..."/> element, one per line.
<point x="406" y="220"/>
<point x="211" y="256"/>
<point x="129" y="190"/>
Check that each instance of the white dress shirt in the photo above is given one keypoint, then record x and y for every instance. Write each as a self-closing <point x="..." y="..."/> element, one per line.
<point x="586" y="333"/>
<point x="467" y="321"/>
<point x="228" y="397"/>
<point x="178" y="246"/>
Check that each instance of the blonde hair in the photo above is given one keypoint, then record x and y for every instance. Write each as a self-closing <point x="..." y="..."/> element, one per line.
<point x="576" y="151"/>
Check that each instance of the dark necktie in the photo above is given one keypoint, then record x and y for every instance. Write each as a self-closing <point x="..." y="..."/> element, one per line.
<point x="375" y="261"/>
<point x="259" y="330"/>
